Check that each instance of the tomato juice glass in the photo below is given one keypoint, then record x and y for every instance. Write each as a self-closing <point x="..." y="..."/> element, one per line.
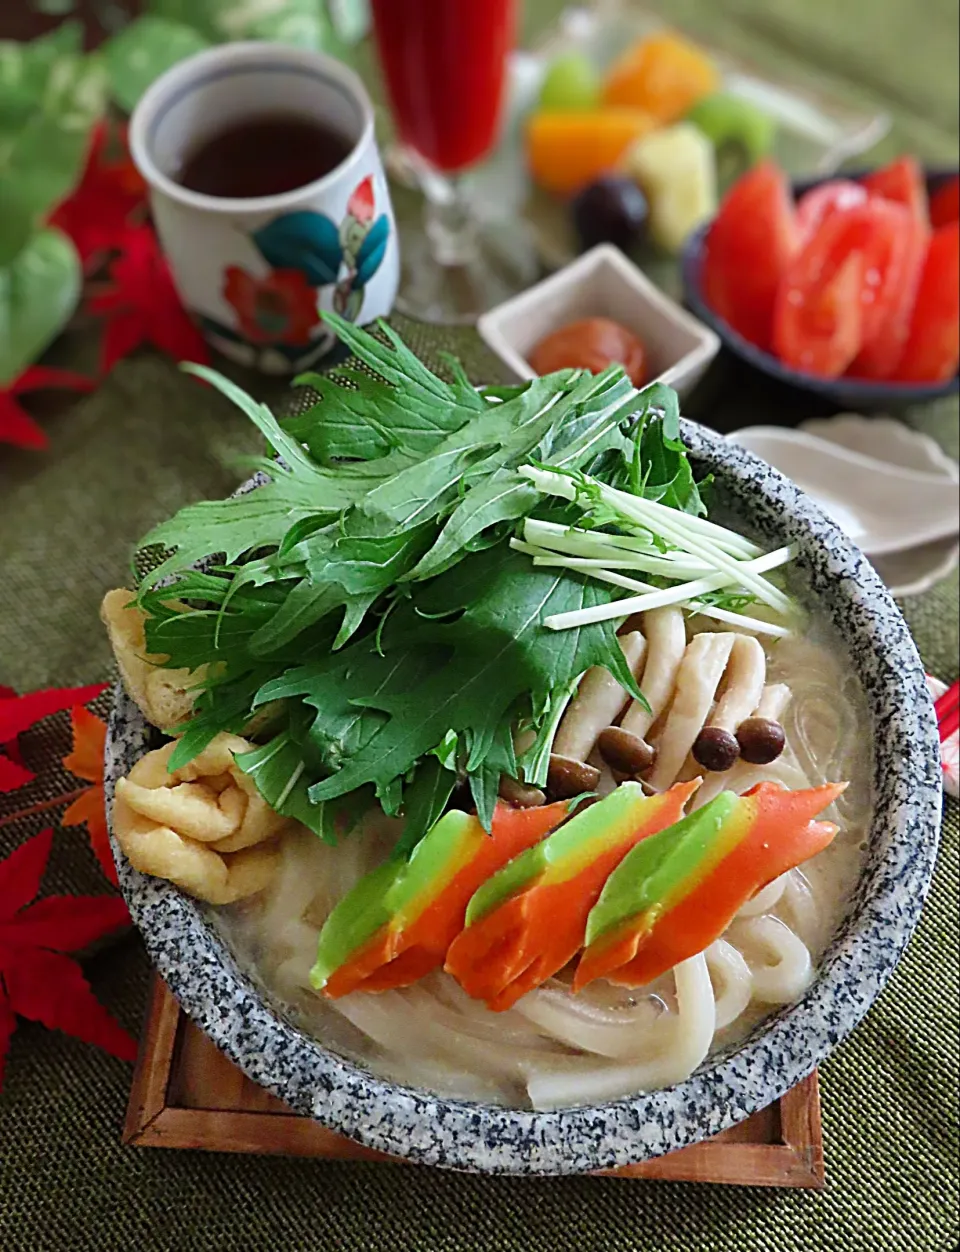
<point x="445" y="67"/>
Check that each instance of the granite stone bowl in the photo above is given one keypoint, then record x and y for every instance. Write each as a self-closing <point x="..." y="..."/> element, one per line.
<point x="728" y="1087"/>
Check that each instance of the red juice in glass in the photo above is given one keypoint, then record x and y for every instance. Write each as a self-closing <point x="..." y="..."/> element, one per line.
<point x="444" y="63"/>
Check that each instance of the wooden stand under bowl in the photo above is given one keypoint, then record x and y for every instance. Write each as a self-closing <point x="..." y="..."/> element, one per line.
<point x="186" y="1094"/>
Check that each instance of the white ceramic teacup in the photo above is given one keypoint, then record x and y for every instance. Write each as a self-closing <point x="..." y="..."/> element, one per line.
<point x="256" y="272"/>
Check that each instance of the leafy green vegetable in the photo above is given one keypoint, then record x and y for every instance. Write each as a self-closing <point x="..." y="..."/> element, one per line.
<point x="424" y="802"/>
<point x="495" y="654"/>
<point x="364" y="612"/>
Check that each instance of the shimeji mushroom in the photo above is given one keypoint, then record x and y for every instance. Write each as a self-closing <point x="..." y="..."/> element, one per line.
<point x="772" y="705"/>
<point x="624" y="747"/>
<point x="598" y="703"/>
<point x="698" y="678"/>
<point x="716" y="746"/>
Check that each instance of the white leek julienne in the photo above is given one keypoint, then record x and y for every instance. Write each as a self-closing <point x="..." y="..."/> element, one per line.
<point x="716" y="557"/>
<point x="656" y="515"/>
<point x="683" y="594"/>
<point x="680" y="529"/>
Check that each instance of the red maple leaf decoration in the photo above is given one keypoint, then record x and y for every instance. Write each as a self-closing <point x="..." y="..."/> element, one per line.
<point x="143" y="307"/>
<point x="86" y="761"/>
<point x="37" y="979"/>
<point x="97" y="212"/>
<point x="16" y="424"/>
<point x="18" y="713"/>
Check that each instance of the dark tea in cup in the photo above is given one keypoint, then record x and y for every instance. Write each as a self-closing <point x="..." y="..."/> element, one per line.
<point x="263" y="156"/>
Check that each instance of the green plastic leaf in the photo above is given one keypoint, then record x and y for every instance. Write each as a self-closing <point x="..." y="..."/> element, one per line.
<point x="142" y="51"/>
<point x="51" y="95"/>
<point x="55" y="8"/>
<point x="39" y="290"/>
<point x="303" y="23"/>
<point x="25" y="69"/>
<point x="350" y="19"/>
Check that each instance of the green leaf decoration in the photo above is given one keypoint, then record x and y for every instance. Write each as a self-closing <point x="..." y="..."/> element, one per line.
<point x="304" y="241"/>
<point x="142" y="51"/>
<point x="302" y="23"/>
<point x="350" y="19"/>
<point x="51" y="96"/>
<point x="39" y="290"/>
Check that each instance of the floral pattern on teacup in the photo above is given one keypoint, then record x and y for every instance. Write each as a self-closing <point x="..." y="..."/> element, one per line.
<point x="281" y="308"/>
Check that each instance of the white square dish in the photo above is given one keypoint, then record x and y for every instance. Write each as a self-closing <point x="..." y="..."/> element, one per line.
<point x="603" y="283"/>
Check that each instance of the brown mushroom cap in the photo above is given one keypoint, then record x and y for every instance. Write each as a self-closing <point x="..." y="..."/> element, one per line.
<point x="624" y="752"/>
<point x="761" y="740"/>
<point x="567" y="777"/>
<point x="515" y="792"/>
<point x="716" y="749"/>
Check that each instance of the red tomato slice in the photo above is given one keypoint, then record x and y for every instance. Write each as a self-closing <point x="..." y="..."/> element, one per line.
<point x="897" y="292"/>
<point x="932" y="350"/>
<point x="814" y="205"/>
<point x="877" y="230"/>
<point x="750" y="243"/>
<point x="901" y="181"/>
<point x="820" y="330"/>
<point x="945" y="203"/>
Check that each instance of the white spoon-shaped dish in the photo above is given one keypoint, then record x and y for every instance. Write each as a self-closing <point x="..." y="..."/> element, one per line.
<point x="882" y="507"/>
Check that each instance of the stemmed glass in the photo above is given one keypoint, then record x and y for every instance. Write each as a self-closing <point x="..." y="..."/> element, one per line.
<point x="444" y="63"/>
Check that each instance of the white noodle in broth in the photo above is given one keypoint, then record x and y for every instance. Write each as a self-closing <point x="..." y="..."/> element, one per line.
<point x="553" y="1048"/>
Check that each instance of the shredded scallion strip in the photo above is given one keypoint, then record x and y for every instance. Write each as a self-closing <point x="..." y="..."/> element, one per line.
<point x="719" y="549"/>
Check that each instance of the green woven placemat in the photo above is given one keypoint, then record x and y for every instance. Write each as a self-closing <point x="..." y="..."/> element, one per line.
<point x="145" y="443"/>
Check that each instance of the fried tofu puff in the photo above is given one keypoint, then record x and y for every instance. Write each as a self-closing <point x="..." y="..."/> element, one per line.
<point x="204" y="826"/>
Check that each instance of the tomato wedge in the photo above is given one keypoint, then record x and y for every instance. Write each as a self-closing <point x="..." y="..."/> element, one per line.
<point x="932" y="349"/>
<point x="814" y="205"/>
<point x="901" y="182"/>
<point x="751" y="242"/>
<point x="813" y="331"/>
<point x="879" y="356"/>
<point x="821" y="330"/>
<point x="945" y="203"/>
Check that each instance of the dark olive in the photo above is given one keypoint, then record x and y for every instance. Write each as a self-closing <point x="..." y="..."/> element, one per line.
<point x="567" y="778"/>
<point x="515" y="792"/>
<point x="625" y="752"/>
<point x="761" y="740"/>
<point x="611" y="210"/>
<point x="716" y="749"/>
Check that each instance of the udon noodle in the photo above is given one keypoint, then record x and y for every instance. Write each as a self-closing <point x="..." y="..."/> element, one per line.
<point x="554" y="1048"/>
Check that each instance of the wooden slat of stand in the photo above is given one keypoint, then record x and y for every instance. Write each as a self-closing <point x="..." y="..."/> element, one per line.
<point x="186" y="1094"/>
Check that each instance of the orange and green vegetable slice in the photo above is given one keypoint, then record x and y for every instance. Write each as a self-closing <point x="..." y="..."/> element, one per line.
<point x="396" y="924"/>
<point x="677" y="892"/>
<point x="528" y="920"/>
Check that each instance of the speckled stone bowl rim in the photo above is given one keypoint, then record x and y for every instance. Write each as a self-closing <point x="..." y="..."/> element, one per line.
<point x="434" y="1130"/>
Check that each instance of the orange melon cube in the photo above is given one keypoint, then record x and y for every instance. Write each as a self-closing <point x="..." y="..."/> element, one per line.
<point x="665" y="75"/>
<point x="565" y="151"/>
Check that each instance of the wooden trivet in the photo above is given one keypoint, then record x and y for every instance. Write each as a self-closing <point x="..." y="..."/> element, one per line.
<point x="186" y="1094"/>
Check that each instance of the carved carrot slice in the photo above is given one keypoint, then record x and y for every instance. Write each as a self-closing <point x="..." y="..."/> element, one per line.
<point x="677" y="892"/>
<point x="396" y="924"/>
<point x="528" y="920"/>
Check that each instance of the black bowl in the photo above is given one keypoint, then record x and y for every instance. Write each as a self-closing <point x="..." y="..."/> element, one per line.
<point x="846" y="393"/>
